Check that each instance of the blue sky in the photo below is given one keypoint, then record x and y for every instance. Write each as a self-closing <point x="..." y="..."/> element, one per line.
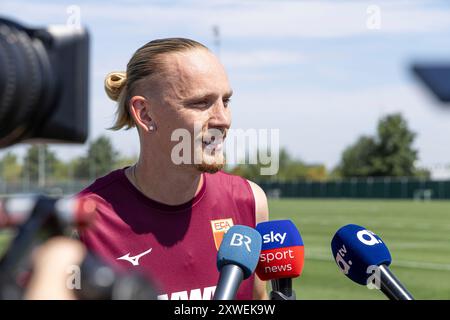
<point x="312" y="69"/>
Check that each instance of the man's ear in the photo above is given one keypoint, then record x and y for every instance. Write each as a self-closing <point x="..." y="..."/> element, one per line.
<point x="140" y="111"/>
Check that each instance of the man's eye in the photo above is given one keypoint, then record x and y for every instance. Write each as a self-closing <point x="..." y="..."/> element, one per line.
<point x="200" y="104"/>
<point x="226" y="102"/>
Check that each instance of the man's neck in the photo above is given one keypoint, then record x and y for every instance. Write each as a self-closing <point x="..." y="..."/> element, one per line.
<point x="166" y="183"/>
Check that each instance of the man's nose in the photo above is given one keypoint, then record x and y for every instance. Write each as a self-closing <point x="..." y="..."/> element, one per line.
<point x="220" y="117"/>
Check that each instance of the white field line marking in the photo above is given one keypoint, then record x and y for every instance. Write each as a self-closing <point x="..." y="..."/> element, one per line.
<point x="397" y="263"/>
<point x="392" y="225"/>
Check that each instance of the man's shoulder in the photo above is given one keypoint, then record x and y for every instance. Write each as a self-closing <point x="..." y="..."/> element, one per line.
<point x="102" y="183"/>
<point x="228" y="177"/>
<point x="228" y="183"/>
<point x="236" y="179"/>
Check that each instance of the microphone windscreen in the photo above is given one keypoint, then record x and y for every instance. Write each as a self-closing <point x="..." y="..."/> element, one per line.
<point x="357" y="251"/>
<point x="240" y="246"/>
<point x="282" y="252"/>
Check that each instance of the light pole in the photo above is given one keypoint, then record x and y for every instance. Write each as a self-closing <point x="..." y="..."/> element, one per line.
<point x="41" y="177"/>
<point x="216" y="34"/>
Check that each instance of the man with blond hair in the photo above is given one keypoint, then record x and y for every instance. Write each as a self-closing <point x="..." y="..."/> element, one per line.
<point x="166" y="214"/>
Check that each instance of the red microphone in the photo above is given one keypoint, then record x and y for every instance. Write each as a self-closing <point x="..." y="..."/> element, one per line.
<point x="281" y="258"/>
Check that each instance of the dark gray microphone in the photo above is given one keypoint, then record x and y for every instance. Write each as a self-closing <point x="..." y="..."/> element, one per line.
<point x="391" y="286"/>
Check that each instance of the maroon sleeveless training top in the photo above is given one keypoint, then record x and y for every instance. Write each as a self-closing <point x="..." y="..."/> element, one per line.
<point x="176" y="246"/>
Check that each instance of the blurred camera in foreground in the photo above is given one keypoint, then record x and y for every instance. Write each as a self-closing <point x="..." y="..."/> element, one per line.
<point x="43" y="84"/>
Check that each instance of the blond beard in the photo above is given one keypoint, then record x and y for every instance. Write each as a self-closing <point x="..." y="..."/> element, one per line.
<point x="211" y="167"/>
<point x="216" y="164"/>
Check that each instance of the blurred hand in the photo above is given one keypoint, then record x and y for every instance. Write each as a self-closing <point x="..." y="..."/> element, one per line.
<point x="53" y="265"/>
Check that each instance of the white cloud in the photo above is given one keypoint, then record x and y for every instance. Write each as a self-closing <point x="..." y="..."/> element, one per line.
<point x="243" y="19"/>
<point x="261" y="58"/>
<point x="318" y="125"/>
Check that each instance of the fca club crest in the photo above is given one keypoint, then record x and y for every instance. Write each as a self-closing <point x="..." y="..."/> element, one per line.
<point x="219" y="228"/>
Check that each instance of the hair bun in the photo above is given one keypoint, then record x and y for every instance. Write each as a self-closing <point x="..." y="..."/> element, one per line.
<point x="114" y="83"/>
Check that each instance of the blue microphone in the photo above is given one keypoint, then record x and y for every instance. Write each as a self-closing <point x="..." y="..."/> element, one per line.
<point x="236" y="260"/>
<point x="364" y="258"/>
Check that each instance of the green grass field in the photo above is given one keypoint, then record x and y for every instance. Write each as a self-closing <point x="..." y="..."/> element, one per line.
<point x="416" y="233"/>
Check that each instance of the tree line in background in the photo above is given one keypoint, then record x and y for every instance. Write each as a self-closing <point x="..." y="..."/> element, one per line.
<point x="389" y="153"/>
<point x="100" y="158"/>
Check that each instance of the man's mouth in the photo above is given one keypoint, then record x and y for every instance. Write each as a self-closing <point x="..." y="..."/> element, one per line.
<point x="215" y="145"/>
<point x="214" y="141"/>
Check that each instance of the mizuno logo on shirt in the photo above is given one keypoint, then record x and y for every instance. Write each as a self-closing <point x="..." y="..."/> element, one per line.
<point x="134" y="260"/>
